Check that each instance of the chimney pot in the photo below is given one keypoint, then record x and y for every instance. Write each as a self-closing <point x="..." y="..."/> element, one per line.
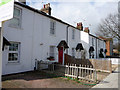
<point x="46" y="9"/>
<point x="44" y="6"/>
<point x="80" y="26"/>
<point x="22" y="1"/>
<point x="87" y="30"/>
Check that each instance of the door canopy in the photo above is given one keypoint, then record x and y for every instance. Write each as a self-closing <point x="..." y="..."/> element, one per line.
<point x="5" y="42"/>
<point x="91" y="49"/>
<point x="63" y="44"/>
<point x="79" y="47"/>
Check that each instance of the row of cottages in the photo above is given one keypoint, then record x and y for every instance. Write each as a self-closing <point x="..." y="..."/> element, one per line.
<point x="34" y="35"/>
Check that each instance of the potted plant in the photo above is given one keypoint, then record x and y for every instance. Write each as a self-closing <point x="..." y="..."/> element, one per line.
<point x="51" y="58"/>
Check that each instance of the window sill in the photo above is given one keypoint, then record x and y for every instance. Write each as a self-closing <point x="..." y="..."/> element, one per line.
<point x="15" y="27"/>
<point x="53" y="35"/>
<point x="73" y="39"/>
<point x="11" y="63"/>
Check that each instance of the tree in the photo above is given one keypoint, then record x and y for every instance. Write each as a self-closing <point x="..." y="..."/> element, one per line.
<point x="109" y="27"/>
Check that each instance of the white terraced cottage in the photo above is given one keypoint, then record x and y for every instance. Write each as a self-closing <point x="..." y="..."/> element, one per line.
<point x="34" y="35"/>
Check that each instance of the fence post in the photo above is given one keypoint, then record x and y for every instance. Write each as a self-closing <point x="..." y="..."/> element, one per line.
<point x="95" y="77"/>
<point x="79" y="70"/>
<point x="88" y="71"/>
<point x="82" y="71"/>
<point x="85" y="74"/>
<point x="53" y="67"/>
<point x="68" y="69"/>
<point x="72" y="70"/>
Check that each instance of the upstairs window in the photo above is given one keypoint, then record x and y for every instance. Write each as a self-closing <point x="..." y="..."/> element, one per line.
<point x="16" y="21"/>
<point x="14" y="52"/>
<point x="73" y="34"/>
<point x="98" y="43"/>
<point x="52" y="27"/>
<point x="92" y="41"/>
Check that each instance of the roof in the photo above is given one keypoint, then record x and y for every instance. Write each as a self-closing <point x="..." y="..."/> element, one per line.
<point x="96" y="37"/>
<point x="49" y="16"/>
<point x="42" y="13"/>
<point x="103" y="38"/>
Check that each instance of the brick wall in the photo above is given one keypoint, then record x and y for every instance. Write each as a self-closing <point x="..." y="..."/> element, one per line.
<point x="102" y="65"/>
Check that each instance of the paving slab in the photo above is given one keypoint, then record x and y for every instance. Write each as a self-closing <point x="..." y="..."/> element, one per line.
<point x="111" y="81"/>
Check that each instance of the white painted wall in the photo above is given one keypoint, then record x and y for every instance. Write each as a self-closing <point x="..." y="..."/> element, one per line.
<point x="24" y="35"/>
<point x="42" y="29"/>
<point x="34" y="36"/>
<point x="85" y="42"/>
<point x="72" y="43"/>
<point x="98" y="44"/>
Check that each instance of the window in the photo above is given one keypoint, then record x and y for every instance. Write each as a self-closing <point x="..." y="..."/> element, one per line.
<point x="73" y="52"/>
<point x="98" y="43"/>
<point x="73" y="33"/>
<point x="52" y="51"/>
<point x="52" y="27"/>
<point x="92" y="41"/>
<point x="16" y="21"/>
<point x="14" y="52"/>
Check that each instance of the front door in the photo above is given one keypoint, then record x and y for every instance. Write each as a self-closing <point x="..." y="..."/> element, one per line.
<point x="60" y="56"/>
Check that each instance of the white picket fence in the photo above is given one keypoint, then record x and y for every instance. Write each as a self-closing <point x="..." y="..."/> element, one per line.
<point x="81" y="72"/>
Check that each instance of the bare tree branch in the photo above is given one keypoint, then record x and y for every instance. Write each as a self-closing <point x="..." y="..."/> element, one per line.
<point x="109" y="27"/>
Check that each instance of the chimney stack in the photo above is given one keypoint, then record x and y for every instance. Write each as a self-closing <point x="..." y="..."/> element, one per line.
<point x="46" y="8"/>
<point x="87" y="30"/>
<point x="80" y="26"/>
<point x="22" y="1"/>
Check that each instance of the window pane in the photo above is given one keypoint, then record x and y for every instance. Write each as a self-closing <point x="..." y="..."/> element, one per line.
<point x="10" y="57"/>
<point x="14" y="22"/>
<point x="73" y="34"/>
<point x="13" y="52"/>
<point x="16" y="12"/>
<point x="13" y="47"/>
<point x="52" y="27"/>
<point x="52" y="53"/>
<point x="13" y="57"/>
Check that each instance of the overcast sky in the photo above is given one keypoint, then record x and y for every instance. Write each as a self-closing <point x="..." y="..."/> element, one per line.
<point x="89" y="12"/>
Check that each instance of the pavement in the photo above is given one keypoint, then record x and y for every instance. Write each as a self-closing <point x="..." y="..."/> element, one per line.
<point x="111" y="81"/>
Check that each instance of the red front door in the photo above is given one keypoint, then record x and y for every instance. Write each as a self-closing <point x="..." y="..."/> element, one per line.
<point x="60" y="57"/>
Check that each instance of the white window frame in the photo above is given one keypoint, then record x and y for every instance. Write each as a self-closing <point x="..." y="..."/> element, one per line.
<point x="73" y="34"/>
<point x="18" y="52"/>
<point x="17" y="17"/>
<point x="52" y="27"/>
<point x="98" y="43"/>
<point x="52" y="53"/>
<point x="92" y="41"/>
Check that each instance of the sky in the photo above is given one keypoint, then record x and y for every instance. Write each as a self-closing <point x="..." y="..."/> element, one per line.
<point x="89" y="12"/>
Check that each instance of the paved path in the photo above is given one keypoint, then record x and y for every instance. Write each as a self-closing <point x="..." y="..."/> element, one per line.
<point x="110" y="81"/>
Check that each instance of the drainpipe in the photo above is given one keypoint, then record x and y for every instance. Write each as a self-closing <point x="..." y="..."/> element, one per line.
<point x="67" y="37"/>
<point x="0" y="55"/>
<point x="1" y="42"/>
<point x="96" y="48"/>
